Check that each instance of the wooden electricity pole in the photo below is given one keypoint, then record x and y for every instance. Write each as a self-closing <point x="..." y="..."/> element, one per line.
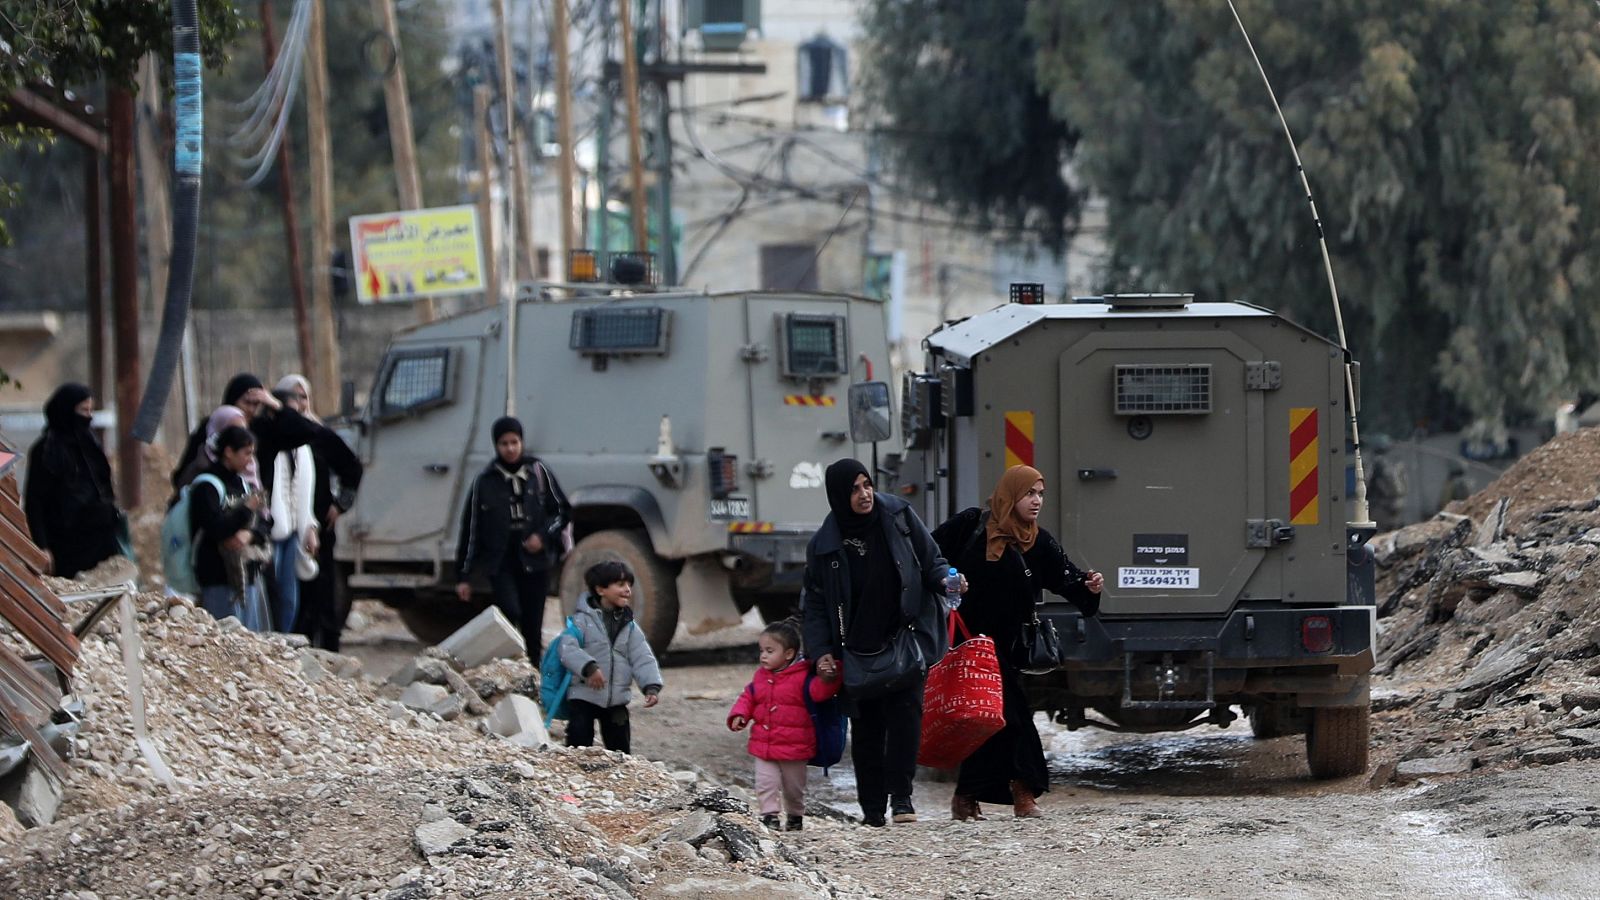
<point x="327" y="386"/>
<point x="291" y="222"/>
<point x="630" y="95"/>
<point x="558" y="42"/>
<point x="521" y="233"/>
<point x="484" y="138"/>
<point x="401" y="139"/>
<point x="125" y="293"/>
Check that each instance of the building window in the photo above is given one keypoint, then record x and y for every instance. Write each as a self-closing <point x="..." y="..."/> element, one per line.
<point x="789" y="267"/>
<point x="824" y="73"/>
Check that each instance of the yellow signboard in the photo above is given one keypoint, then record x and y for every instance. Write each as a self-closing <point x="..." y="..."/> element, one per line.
<point x="417" y="253"/>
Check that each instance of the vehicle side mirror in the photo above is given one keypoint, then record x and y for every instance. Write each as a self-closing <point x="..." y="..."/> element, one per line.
<point x="870" y="417"/>
<point x="347" y="400"/>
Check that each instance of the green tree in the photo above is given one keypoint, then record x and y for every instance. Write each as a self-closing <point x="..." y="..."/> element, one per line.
<point x="1446" y="144"/>
<point x="968" y="123"/>
<point x="1445" y="140"/>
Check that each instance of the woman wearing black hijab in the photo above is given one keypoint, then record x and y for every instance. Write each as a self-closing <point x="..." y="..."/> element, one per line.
<point x="871" y="569"/>
<point x="72" y="509"/>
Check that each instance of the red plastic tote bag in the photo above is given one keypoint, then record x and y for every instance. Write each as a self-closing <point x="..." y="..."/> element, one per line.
<point x="963" y="703"/>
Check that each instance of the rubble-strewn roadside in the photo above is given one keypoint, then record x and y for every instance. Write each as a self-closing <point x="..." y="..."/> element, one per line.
<point x="1489" y="627"/>
<point x="298" y="777"/>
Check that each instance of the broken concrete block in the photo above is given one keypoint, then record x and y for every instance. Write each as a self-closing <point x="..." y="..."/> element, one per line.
<point x="438" y="837"/>
<point x="311" y="670"/>
<point x="1412" y="769"/>
<point x="32" y="795"/>
<point x="693" y="829"/>
<point x="230" y="624"/>
<point x="1524" y="583"/>
<point x="1382" y="775"/>
<point x="421" y="668"/>
<point x="337" y="663"/>
<point x="487" y="637"/>
<point x="423" y="696"/>
<point x="515" y="714"/>
<point x="1587" y="699"/>
<point x="1550" y="756"/>
<point x="1493" y="528"/>
<point x="1582" y="736"/>
<point x="448" y="709"/>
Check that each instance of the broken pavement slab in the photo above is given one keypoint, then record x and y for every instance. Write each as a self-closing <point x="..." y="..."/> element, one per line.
<point x="1524" y="583"/>
<point x="1413" y="769"/>
<point x="489" y="636"/>
<point x="434" y="838"/>
<point x="34" y="796"/>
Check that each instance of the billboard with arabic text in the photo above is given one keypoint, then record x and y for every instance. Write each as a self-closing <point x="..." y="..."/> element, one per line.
<point x="417" y="253"/>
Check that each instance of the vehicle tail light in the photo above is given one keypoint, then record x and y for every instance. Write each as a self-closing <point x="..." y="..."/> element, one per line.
<point x="1316" y="634"/>
<point x="724" y="472"/>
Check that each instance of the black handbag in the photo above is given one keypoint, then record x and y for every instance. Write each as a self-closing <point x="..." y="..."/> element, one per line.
<point x="1038" y="647"/>
<point x="896" y="666"/>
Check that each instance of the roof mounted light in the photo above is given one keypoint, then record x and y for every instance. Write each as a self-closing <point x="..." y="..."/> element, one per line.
<point x="583" y="266"/>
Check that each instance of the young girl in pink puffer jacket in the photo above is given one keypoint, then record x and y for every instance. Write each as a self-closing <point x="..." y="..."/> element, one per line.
<point x="782" y="738"/>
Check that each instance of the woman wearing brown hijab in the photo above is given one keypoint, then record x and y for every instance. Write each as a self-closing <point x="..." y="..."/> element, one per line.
<point x="1009" y="562"/>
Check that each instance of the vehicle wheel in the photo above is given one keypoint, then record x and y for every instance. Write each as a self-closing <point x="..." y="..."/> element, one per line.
<point x="432" y="618"/>
<point x="655" y="586"/>
<point x="1336" y="740"/>
<point x="1268" y="721"/>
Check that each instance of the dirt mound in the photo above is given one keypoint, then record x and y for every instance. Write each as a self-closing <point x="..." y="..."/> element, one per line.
<point x="1487" y="621"/>
<point x="1563" y="471"/>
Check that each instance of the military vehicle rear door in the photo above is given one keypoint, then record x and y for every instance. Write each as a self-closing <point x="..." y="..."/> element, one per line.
<point x="1162" y="465"/>
<point x="799" y="420"/>
<point x="421" y="424"/>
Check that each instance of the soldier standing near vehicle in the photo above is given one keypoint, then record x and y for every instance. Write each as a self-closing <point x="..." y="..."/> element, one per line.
<point x="1455" y="486"/>
<point x="1386" y="493"/>
<point x="511" y="530"/>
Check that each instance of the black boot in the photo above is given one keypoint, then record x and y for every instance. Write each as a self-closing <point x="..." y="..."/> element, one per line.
<point x="903" y="811"/>
<point x="794" y="823"/>
<point x="770" y="820"/>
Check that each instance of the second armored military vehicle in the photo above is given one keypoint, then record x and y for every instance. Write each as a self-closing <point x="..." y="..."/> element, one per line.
<point x="689" y="431"/>
<point x="1193" y="453"/>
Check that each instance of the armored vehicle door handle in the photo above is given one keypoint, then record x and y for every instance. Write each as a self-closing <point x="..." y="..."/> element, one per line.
<point x="835" y="436"/>
<point x="436" y="468"/>
<point x="1096" y="474"/>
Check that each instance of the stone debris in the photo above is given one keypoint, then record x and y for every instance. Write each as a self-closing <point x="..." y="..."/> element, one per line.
<point x="297" y="776"/>
<point x="489" y="636"/>
<point x="1489" y="636"/>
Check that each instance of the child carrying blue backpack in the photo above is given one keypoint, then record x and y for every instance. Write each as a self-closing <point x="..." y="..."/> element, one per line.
<point x="793" y="720"/>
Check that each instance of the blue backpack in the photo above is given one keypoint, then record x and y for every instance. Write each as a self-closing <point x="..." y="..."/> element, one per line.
<point x="828" y="721"/>
<point x="555" y="678"/>
<point x="177" y="539"/>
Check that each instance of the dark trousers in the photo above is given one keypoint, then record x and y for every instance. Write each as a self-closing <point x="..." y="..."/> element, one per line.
<point x="614" y="727"/>
<point x="885" y="734"/>
<point x="323" y="606"/>
<point x="520" y="595"/>
<point x="1015" y="753"/>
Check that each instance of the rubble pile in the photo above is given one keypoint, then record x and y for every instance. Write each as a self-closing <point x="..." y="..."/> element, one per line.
<point x="1488" y="625"/>
<point x="297" y="776"/>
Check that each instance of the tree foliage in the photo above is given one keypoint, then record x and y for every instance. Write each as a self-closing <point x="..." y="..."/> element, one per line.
<point x="1445" y="141"/>
<point x="74" y="42"/>
<point x="969" y="123"/>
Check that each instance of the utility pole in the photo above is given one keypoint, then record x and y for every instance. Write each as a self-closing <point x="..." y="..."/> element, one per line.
<point x="291" y="221"/>
<point x="327" y="387"/>
<point x="484" y="139"/>
<point x="558" y="42"/>
<point x="401" y="139"/>
<point x="630" y="94"/>
<point x="125" y="293"/>
<point x="519" y="236"/>
<point x="669" y="263"/>
<point x="602" y="165"/>
<point x="94" y="270"/>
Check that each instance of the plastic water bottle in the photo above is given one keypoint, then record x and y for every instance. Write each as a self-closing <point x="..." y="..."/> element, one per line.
<point x="952" y="588"/>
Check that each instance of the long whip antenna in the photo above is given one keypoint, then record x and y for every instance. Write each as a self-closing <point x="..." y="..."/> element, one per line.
<point x="1363" y="518"/>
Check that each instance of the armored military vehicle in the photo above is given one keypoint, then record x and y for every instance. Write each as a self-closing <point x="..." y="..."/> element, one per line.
<point x="688" y="430"/>
<point x="1194" y="453"/>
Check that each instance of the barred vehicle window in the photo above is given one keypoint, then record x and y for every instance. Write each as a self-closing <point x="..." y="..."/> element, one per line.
<point x="416" y="379"/>
<point x="1163" y="389"/>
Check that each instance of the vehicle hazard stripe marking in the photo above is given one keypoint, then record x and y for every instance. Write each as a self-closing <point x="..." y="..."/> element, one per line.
<point x="1304" y="450"/>
<point x="1019" y="439"/>
<point x="806" y="400"/>
<point x="749" y="527"/>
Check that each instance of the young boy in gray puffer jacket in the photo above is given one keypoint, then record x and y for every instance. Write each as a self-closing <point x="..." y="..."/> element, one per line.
<point x="612" y="654"/>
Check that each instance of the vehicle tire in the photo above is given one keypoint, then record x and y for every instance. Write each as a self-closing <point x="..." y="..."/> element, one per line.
<point x="1267" y="721"/>
<point x="655" y="585"/>
<point x="1337" y="739"/>
<point x="433" y="617"/>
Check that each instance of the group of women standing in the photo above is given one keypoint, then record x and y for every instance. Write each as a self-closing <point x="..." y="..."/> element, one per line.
<point x="873" y="571"/>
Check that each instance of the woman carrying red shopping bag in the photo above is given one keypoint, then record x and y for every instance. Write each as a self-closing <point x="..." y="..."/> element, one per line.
<point x="1010" y="561"/>
<point x="963" y="704"/>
